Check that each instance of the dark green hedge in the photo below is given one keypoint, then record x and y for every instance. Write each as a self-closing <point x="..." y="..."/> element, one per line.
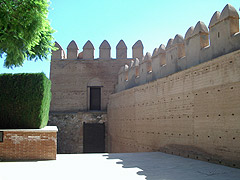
<point x="24" y="100"/>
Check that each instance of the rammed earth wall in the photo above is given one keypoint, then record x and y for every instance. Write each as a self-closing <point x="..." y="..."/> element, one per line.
<point x="193" y="113"/>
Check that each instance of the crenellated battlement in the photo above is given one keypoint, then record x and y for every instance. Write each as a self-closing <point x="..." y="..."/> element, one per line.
<point x="200" y="44"/>
<point x="182" y="98"/>
<point x="104" y="51"/>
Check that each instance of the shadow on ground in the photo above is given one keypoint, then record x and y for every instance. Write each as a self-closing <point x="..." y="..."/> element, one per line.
<point x="161" y="166"/>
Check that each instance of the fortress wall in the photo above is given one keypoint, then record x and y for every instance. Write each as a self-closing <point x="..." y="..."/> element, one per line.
<point x="155" y="64"/>
<point x="71" y="78"/>
<point x="199" y="45"/>
<point x="193" y="113"/>
<point x="72" y="72"/>
<point x="143" y="72"/>
<point x="104" y="51"/>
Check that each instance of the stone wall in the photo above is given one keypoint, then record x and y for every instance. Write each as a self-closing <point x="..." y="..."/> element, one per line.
<point x="70" y="129"/>
<point x="193" y="113"/>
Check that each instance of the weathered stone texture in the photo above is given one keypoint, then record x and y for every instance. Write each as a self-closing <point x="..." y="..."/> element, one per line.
<point x="70" y="129"/>
<point x="192" y="113"/>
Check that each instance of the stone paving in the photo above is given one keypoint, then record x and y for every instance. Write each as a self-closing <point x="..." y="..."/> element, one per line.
<point x="149" y="165"/>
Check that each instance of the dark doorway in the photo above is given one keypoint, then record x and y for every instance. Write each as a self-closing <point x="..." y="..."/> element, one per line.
<point x="93" y="138"/>
<point x="95" y="98"/>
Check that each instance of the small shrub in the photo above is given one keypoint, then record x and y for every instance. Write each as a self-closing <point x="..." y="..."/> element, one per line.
<point x="24" y="100"/>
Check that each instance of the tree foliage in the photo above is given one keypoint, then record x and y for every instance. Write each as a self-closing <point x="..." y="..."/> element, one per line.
<point x="25" y="31"/>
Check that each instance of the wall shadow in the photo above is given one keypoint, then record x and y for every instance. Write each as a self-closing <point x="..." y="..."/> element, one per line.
<point x="161" y="166"/>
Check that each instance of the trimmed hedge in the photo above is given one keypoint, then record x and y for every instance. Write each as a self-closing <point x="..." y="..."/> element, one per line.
<point x="24" y="101"/>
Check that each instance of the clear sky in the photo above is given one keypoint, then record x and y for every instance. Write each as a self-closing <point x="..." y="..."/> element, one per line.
<point x="152" y="21"/>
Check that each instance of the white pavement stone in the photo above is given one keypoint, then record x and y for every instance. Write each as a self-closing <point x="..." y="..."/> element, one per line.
<point x="150" y="166"/>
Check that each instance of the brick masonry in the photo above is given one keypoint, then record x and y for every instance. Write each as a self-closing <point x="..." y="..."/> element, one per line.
<point x="71" y="80"/>
<point x="193" y="113"/>
<point x="29" y="144"/>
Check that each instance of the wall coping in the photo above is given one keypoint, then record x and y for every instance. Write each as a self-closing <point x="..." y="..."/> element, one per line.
<point x="45" y="129"/>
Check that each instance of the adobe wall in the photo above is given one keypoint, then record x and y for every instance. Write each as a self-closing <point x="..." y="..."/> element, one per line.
<point x="70" y="126"/>
<point x="192" y="113"/>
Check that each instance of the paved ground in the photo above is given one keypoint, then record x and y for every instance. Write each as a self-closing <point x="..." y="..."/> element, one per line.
<point x="130" y="166"/>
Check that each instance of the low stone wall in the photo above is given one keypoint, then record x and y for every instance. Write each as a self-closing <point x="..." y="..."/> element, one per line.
<point x="70" y="126"/>
<point x="193" y="113"/>
<point x="28" y="144"/>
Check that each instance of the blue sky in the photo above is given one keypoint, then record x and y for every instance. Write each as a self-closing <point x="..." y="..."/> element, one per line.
<point x="152" y="21"/>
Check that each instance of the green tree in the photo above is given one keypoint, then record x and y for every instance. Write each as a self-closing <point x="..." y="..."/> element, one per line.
<point x="25" y="31"/>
